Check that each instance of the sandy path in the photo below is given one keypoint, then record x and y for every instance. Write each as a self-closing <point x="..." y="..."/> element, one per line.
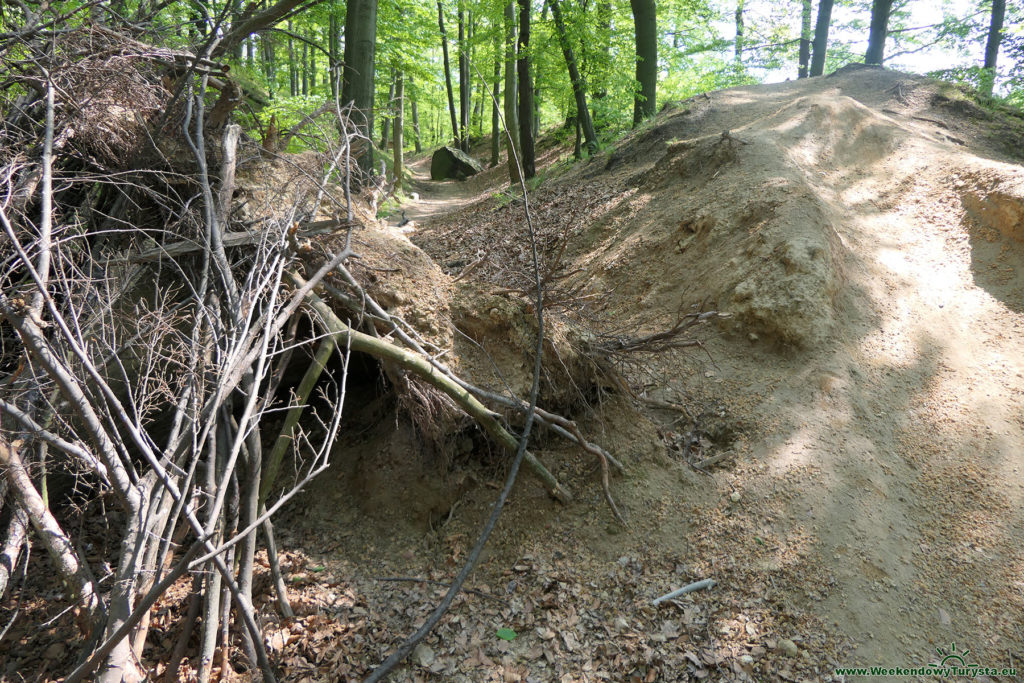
<point x="434" y="199"/>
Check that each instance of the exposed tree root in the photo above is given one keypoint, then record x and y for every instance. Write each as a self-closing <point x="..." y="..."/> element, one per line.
<point x="422" y="368"/>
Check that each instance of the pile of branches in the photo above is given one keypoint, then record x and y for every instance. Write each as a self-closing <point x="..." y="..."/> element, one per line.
<point x="142" y="380"/>
<point x="144" y="335"/>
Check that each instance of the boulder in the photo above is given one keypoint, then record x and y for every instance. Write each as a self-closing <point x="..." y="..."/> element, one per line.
<point x="451" y="162"/>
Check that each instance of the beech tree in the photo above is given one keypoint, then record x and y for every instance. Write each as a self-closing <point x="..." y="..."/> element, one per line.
<point x="526" y="111"/>
<point x="805" y="39"/>
<point x="578" y="85"/>
<point x="359" y="74"/>
<point x="645" y="21"/>
<point x="739" y="31"/>
<point x="821" y="37"/>
<point x="456" y="134"/>
<point x="995" y="34"/>
<point x="879" y="31"/>
<point x="511" y="89"/>
<point x="465" y="82"/>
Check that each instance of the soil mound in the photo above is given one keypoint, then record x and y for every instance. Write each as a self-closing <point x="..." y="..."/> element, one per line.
<point x="753" y="218"/>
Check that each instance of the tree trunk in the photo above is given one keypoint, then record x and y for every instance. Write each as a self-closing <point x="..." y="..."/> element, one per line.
<point x="305" y="69"/>
<point x="269" y="70"/>
<point x="821" y="37"/>
<point x="805" y="39"/>
<point x="600" y="75"/>
<point x="645" y="21"/>
<point x="415" y="118"/>
<point x="332" y="48"/>
<point x="312" y="65"/>
<point x="526" y="117"/>
<point x="577" y="148"/>
<point x="236" y="13"/>
<point x="478" y="110"/>
<point x="583" y="120"/>
<point x="456" y="135"/>
<point x="399" y="118"/>
<point x="511" y="113"/>
<point x="879" y="30"/>
<point x="254" y="24"/>
<point x="537" y="81"/>
<point x="495" y="117"/>
<point x="360" y="52"/>
<point x="293" y="74"/>
<point x="385" y="119"/>
<point x="995" y="34"/>
<point x="465" y="84"/>
<point x="739" y="31"/>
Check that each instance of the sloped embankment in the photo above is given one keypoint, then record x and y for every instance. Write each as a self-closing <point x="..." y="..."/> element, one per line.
<point x="871" y="233"/>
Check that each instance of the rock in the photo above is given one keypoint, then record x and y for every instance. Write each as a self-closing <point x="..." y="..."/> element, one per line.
<point x="746" y="660"/>
<point x="735" y="496"/>
<point x="424" y="656"/>
<point x="452" y="163"/>
<point x="788" y="647"/>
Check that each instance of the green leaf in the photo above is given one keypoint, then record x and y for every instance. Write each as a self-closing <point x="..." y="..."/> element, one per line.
<point x="506" y="634"/>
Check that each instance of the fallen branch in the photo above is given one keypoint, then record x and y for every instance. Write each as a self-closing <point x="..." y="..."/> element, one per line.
<point x="239" y="238"/>
<point x="75" y="574"/>
<point x="421" y="367"/>
<point x="365" y="305"/>
<point x="689" y="588"/>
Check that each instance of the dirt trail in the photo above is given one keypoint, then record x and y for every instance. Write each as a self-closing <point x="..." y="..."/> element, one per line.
<point x="866" y="233"/>
<point x="434" y="199"/>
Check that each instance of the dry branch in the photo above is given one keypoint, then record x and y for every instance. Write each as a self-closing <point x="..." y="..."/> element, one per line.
<point x="75" y="574"/>
<point x="421" y="367"/>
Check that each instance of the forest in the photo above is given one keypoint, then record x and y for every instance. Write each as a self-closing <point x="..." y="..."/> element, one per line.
<point x="291" y="291"/>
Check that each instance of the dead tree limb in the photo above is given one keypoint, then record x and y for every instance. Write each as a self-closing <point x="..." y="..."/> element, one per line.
<point x="421" y="367"/>
<point x="76" y="575"/>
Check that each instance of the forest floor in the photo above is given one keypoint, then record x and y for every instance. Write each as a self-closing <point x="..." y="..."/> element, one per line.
<point x="843" y="454"/>
<point x="865" y="231"/>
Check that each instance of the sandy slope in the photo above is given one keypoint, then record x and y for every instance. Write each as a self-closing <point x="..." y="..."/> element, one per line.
<point x="875" y="267"/>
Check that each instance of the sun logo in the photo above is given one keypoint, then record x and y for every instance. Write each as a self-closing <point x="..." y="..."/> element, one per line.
<point x="953" y="658"/>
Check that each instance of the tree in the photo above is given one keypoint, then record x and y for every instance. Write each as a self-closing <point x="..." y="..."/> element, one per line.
<point x="645" y="22"/>
<point x="821" y="37"/>
<point x="805" y="39"/>
<point x="879" y="29"/>
<point x="255" y="22"/>
<point x="739" y="31"/>
<point x="385" y="118"/>
<point x="465" y="83"/>
<point x="399" y="140"/>
<point x="578" y="85"/>
<point x="526" y="112"/>
<point x="995" y="34"/>
<point x="418" y="145"/>
<point x="448" y="76"/>
<point x="333" y="46"/>
<point x="359" y="82"/>
<point x="495" y="111"/>
<point x="511" y="87"/>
